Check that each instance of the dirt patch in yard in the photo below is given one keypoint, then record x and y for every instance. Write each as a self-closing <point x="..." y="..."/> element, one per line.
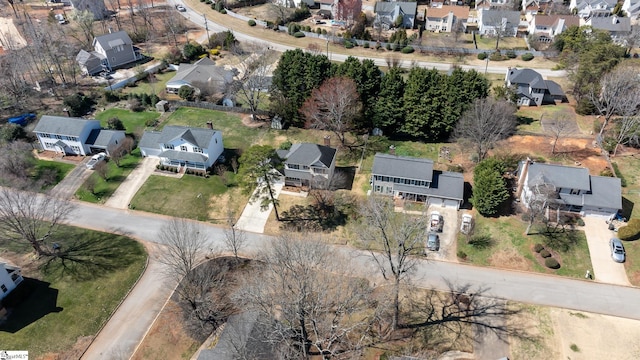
<point x="509" y="259"/>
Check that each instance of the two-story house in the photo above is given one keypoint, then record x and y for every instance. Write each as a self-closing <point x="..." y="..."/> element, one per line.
<point x="203" y="72"/>
<point x="10" y="278"/>
<point x="618" y="27"/>
<point x="569" y="188"/>
<point x="546" y="27"/>
<point x="632" y="9"/>
<point x="531" y="89"/>
<point x="586" y="9"/>
<point x="307" y="164"/>
<point x="414" y="179"/>
<point x="443" y="18"/>
<point x="75" y="136"/>
<point x="495" y="22"/>
<point x="388" y="12"/>
<point x="183" y="147"/>
<point x="110" y="51"/>
<point x="96" y="7"/>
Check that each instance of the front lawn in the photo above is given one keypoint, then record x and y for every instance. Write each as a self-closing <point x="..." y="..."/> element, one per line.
<point x="501" y="242"/>
<point x="156" y="86"/>
<point x="68" y="303"/>
<point x="134" y="122"/>
<point x="103" y="189"/>
<point x="629" y="167"/>
<point x="190" y="197"/>
<point x="46" y="168"/>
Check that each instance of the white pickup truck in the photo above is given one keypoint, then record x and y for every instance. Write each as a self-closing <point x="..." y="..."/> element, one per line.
<point x="467" y="224"/>
<point x="435" y="221"/>
<point x="95" y="159"/>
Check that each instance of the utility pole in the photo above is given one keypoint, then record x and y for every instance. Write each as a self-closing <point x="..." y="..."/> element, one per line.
<point x="206" y="27"/>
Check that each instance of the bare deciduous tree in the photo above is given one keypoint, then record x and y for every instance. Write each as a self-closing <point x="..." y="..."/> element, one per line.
<point x="32" y="218"/>
<point x="16" y="161"/>
<point x="333" y="106"/>
<point x="84" y="19"/>
<point x="118" y="151"/>
<point x="255" y="65"/>
<point x="234" y="238"/>
<point x="392" y="239"/>
<point x="485" y="122"/>
<point x="618" y="92"/>
<point x="311" y="305"/>
<point x="558" y="128"/>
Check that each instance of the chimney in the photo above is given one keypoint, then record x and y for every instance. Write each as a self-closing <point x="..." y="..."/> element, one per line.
<point x="392" y="149"/>
<point x="523" y="175"/>
<point x="327" y="140"/>
<point x="210" y="125"/>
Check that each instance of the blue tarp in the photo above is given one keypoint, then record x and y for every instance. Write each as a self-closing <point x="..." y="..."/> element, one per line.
<point x="22" y="119"/>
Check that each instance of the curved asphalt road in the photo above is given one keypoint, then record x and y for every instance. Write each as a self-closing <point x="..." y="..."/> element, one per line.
<point x="198" y="19"/>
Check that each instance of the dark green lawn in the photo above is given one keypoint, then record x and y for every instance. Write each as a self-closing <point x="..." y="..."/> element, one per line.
<point x="188" y="197"/>
<point x="134" y="122"/>
<point x="116" y="175"/>
<point x="72" y="301"/>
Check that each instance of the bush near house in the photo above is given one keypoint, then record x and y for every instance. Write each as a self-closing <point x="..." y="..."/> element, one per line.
<point x="631" y="231"/>
<point x="251" y="22"/>
<point x="482" y="56"/>
<point x="527" y="57"/>
<point x="551" y="263"/>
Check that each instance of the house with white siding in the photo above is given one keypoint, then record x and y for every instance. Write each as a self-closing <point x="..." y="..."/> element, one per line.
<point x="10" y="278"/>
<point x="75" y="136"/>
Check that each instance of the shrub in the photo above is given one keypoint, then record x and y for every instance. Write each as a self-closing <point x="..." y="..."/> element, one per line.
<point x="251" y="22"/>
<point x="631" y="231"/>
<point x="623" y="181"/>
<point x="223" y="11"/>
<point x="580" y="222"/>
<point x="285" y="145"/>
<point x="388" y="47"/>
<point x="538" y="247"/>
<point x="545" y="254"/>
<point x="527" y="57"/>
<point x="365" y="45"/>
<point x="150" y="122"/>
<point x="407" y="50"/>
<point x="551" y="263"/>
<point x="348" y="44"/>
<point x="78" y="104"/>
<point x="496" y="56"/>
<point x="482" y="56"/>
<point x="511" y="54"/>
<point x="606" y="172"/>
<point x="298" y="34"/>
<point x="135" y="105"/>
<point x="110" y="96"/>
<point x="462" y="255"/>
<point x="213" y="6"/>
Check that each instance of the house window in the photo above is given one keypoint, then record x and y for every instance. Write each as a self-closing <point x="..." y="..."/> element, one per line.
<point x="305" y="167"/>
<point x="48" y="136"/>
<point x="183" y="148"/>
<point x="319" y="171"/>
<point x="58" y="137"/>
<point x="293" y="166"/>
<point x="49" y="145"/>
<point x="4" y="288"/>
<point x="575" y="192"/>
<point x="378" y="189"/>
<point x="75" y="148"/>
<point x="168" y="146"/>
<point x="197" y="149"/>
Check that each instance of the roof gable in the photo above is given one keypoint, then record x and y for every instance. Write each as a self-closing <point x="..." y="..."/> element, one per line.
<point x="109" y="41"/>
<point x="526" y="76"/>
<point x="461" y="12"/>
<point x="62" y="125"/>
<point x="566" y="177"/>
<point x="196" y="136"/>
<point x="311" y="155"/>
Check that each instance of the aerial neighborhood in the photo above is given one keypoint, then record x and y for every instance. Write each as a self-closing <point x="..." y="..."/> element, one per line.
<point x="319" y="179"/>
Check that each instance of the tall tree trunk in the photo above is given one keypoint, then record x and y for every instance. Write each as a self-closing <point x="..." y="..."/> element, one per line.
<point x="396" y="303"/>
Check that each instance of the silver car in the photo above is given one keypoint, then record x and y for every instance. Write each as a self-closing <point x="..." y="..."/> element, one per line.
<point x="617" y="250"/>
<point x="433" y="242"/>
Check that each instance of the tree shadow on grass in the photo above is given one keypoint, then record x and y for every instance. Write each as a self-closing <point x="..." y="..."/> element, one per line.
<point x="30" y="301"/>
<point x="90" y="258"/>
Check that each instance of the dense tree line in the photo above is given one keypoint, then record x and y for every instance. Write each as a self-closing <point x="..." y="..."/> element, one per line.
<point x="425" y="106"/>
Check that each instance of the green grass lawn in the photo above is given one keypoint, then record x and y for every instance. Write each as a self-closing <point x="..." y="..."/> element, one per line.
<point x="187" y="197"/>
<point x="134" y="122"/>
<point x="116" y="175"/>
<point x="630" y="168"/>
<point x="44" y="167"/>
<point x="70" y="302"/>
<point x="151" y="87"/>
<point x="506" y="236"/>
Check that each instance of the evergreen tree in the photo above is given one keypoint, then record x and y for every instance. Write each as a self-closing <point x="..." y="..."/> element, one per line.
<point x="489" y="187"/>
<point x="425" y="103"/>
<point x="367" y="77"/>
<point x="388" y="111"/>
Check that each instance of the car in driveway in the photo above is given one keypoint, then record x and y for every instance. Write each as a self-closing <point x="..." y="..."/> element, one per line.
<point x="617" y="250"/>
<point x="433" y="242"/>
<point x="435" y="221"/>
<point x="95" y="159"/>
<point x="181" y="8"/>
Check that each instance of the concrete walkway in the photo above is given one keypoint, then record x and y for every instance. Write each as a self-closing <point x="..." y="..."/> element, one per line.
<point x="253" y="218"/>
<point x="67" y="188"/>
<point x="604" y="268"/>
<point x="121" y="198"/>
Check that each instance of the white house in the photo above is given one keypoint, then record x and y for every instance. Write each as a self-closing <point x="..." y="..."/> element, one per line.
<point x="618" y="27"/>
<point x="10" y="278"/>
<point x="183" y="147"/>
<point x="548" y="26"/>
<point x="307" y="164"/>
<point x="443" y="18"/>
<point x="75" y="136"/>
<point x="592" y="8"/>
<point x="632" y="9"/>
<point x="573" y="189"/>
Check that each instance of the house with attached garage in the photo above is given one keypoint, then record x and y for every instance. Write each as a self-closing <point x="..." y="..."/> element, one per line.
<point x="10" y="278"/>
<point x="388" y="12"/>
<point x="445" y="17"/>
<point x="569" y="188"/>
<point x="493" y="22"/>
<point x="531" y="89"/>
<point x="307" y="164"/>
<point x="110" y="51"/>
<point x="202" y="73"/>
<point x="183" y="147"/>
<point x="414" y="179"/>
<point x="75" y="136"/>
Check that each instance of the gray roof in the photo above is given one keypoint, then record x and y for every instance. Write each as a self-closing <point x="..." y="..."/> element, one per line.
<point x="554" y="88"/>
<point x="560" y="176"/>
<point x="109" y="41"/>
<point x="150" y="139"/>
<point x="402" y="166"/>
<point x="199" y="137"/>
<point x="408" y="8"/>
<point x="84" y="56"/>
<point x="526" y="76"/>
<point x="494" y="17"/>
<point x="102" y="138"/>
<point x="445" y="184"/>
<point x="310" y="154"/>
<point x="62" y="125"/>
<point x="184" y="156"/>
<point x="202" y="70"/>
<point x="611" y="23"/>
<point x="605" y="192"/>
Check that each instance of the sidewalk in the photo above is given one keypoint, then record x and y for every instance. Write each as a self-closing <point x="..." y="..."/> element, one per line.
<point x="253" y="218"/>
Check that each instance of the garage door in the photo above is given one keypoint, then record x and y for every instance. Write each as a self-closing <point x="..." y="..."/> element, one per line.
<point x="435" y="201"/>
<point x="452" y="204"/>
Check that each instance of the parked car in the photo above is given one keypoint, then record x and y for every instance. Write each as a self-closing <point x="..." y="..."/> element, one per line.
<point x="467" y="224"/>
<point x="180" y="8"/>
<point x="435" y="221"/>
<point x="95" y="159"/>
<point x="617" y="250"/>
<point x="433" y="242"/>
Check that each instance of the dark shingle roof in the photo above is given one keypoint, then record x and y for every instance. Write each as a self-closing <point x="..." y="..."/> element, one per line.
<point x="99" y="137"/>
<point x="407" y="8"/>
<point x="109" y="41"/>
<point x="62" y="125"/>
<point x="605" y="192"/>
<point x="402" y="166"/>
<point x="310" y="154"/>
<point x="554" y="88"/>
<point x="150" y="139"/>
<point x="203" y="70"/>
<point x="448" y="185"/>
<point x="560" y="176"/>
<point x="197" y="136"/>
<point x="527" y="76"/>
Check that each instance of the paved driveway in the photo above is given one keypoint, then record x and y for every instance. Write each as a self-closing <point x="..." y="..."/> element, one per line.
<point x="121" y="198"/>
<point x="253" y="218"/>
<point x="67" y="188"/>
<point x="604" y="268"/>
<point x="448" y="236"/>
